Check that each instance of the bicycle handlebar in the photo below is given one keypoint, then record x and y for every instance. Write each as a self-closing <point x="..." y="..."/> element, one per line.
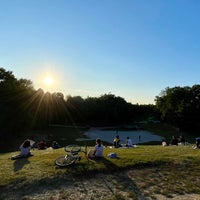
<point x="72" y="148"/>
<point x="75" y="149"/>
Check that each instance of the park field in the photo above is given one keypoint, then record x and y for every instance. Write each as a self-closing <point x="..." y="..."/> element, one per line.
<point x="144" y="172"/>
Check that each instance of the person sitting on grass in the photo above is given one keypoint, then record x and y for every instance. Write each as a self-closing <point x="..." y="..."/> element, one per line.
<point x="181" y="140"/>
<point x="174" y="140"/>
<point x="116" y="142"/>
<point x="197" y="143"/>
<point x="98" y="150"/>
<point x="55" y="145"/>
<point x="25" y="150"/>
<point x="129" y="142"/>
<point x="42" y="145"/>
<point x="164" y="143"/>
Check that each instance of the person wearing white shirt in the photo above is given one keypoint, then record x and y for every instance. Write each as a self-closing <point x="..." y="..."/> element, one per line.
<point x="25" y="148"/>
<point x="98" y="150"/>
<point x="129" y="142"/>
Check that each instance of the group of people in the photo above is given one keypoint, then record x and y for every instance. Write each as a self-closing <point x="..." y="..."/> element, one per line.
<point x="42" y="145"/>
<point x="117" y="142"/>
<point x="99" y="148"/>
<point x="25" y="148"/>
<point x="175" y="141"/>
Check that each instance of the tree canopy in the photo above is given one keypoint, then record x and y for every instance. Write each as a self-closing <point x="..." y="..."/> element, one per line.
<point x="24" y="108"/>
<point x="180" y="106"/>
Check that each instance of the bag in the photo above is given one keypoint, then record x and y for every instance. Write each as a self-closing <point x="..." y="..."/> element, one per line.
<point x="198" y="139"/>
<point x="112" y="155"/>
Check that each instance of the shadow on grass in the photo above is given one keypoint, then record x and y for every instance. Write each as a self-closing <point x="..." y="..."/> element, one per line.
<point x="19" y="164"/>
<point x="75" y="176"/>
<point x="114" y="183"/>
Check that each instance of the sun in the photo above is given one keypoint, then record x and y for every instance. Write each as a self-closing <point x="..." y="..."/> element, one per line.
<point x="48" y="80"/>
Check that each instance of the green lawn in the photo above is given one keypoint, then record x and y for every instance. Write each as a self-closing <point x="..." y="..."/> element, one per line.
<point x="41" y="166"/>
<point x="175" y="168"/>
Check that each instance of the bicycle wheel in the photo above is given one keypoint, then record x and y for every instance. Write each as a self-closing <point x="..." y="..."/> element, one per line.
<point x="63" y="161"/>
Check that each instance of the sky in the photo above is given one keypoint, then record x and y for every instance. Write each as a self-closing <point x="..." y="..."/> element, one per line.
<point x="134" y="49"/>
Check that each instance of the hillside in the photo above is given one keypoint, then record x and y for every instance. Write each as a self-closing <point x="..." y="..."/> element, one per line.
<point x="145" y="172"/>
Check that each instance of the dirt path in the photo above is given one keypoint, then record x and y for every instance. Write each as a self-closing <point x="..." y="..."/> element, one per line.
<point x="125" y="185"/>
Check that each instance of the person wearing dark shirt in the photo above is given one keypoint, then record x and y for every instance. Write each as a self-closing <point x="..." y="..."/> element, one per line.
<point x="116" y="142"/>
<point x="42" y="145"/>
<point x="181" y="140"/>
<point x="174" y="141"/>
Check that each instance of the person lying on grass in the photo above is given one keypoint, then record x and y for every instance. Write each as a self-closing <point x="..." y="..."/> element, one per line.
<point x="98" y="150"/>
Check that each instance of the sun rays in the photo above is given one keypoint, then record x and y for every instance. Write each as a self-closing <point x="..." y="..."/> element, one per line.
<point x="48" y="80"/>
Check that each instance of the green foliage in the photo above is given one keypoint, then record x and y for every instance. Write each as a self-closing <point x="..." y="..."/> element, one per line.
<point x="23" y="108"/>
<point x="180" y="106"/>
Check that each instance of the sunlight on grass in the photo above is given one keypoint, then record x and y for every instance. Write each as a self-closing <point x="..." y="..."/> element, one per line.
<point x="166" y="165"/>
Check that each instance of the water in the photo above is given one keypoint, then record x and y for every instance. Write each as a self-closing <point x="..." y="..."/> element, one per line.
<point x="137" y="137"/>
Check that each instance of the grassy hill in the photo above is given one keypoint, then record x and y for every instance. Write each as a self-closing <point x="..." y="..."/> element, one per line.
<point x="175" y="170"/>
<point x="146" y="170"/>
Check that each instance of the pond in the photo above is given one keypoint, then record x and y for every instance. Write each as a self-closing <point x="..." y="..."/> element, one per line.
<point x="137" y="136"/>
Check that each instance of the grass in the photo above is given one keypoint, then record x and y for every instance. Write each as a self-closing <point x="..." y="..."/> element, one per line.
<point x="154" y="169"/>
<point x="175" y="167"/>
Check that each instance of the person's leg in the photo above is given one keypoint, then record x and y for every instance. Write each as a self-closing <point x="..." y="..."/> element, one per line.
<point x="198" y="144"/>
<point x="90" y="153"/>
<point x="115" y="144"/>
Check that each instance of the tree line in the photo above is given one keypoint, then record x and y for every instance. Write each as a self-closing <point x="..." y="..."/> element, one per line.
<point x="180" y="107"/>
<point x="23" y="108"/>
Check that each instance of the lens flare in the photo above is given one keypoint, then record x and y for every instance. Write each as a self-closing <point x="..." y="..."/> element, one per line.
<point x="48" y="81"/>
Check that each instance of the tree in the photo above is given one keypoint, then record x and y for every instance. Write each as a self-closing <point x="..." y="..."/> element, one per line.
<point x="180" y="106"/>
<point x="13" y="95"/>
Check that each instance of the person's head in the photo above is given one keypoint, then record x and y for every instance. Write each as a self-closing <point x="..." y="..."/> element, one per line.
<point x="127" y="138"/>
<point x="117" y="136"/>
<point x="26" y="144"/>
<point x="98" y="141"/>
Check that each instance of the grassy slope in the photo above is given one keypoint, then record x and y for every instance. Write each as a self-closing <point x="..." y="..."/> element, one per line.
<point x="172" y="165"/>
<point x="26" y="174"/>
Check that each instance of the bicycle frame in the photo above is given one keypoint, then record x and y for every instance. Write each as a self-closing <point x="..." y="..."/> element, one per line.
<point x="71" y="157"/>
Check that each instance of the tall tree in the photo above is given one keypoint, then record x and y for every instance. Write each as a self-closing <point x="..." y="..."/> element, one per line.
<point x="180" y="106"/>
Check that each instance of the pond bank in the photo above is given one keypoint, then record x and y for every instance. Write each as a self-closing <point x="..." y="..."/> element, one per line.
<point x="137" y="136"/>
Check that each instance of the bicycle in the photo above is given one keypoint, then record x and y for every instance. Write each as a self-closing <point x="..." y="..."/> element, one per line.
<point x="71" y="157"/>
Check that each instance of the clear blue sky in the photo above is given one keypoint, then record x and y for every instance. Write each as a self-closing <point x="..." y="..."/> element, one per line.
<point x="130" y="48"/>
